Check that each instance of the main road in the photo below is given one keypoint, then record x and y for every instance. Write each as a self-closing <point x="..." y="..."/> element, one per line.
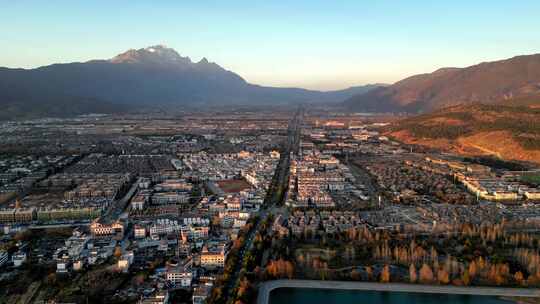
<point x="275" y="195"/>
<point x="117" y="207"/>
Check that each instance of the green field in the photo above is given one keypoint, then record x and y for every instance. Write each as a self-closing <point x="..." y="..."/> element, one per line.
<point x="532" y="179"/>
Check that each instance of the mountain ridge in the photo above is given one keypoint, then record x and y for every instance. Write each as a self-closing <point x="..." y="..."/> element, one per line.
<point x="146" y="77"/>
<point x="487" y="82"/>
<point x="498" y="130"/>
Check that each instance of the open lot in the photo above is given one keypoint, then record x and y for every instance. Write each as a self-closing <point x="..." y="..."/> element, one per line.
<point x="233" y="185"/>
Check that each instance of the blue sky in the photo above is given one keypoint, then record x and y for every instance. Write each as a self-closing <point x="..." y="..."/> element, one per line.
<point x="307" y="43"/>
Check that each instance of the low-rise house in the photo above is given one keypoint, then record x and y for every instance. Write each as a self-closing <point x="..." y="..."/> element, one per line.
<point x="18" y="258"/>
<point x="138" y="202"/>
<point x="125" y="261"/>
<point x="201" y="293"/>
<point x="180" y="275"/>
<point x="4" y="257"/>
<point x="62" y="266"/>
<point x="115" y="229"/>
<point x="139" y="231"/>
<point x="160" y="297"/>
<point x="78" y="265"/>
<point x="214" y="257"/>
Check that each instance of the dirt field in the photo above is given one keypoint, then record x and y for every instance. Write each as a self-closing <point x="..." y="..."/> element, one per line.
<point x="233" y="185"/>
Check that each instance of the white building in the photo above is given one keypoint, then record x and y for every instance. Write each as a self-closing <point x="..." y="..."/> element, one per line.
<point x="115" y="229"/>
<point x="138" y="202"/>
<point x="62" y="267"/>
<point x="201" y="293"/>
<point x="214" y="258"/>
<point x="164" y="226"/>
<point x="125" y="261"/>
<point x="180" y="276"/>
<point x="161" y="297"/>
<point x="18" y="258"/>
<point x="195" y="232"/>
<point x="78" y="265"/>
<point x="139" y="232"/>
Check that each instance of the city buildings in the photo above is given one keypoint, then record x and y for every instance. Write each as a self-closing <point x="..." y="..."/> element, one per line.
<point x="213" y="257"/>
<point x="171" y="211"/>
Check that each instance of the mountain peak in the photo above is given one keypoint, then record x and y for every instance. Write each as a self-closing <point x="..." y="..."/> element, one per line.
<point x="446" y="70"/>
<point x="205" y="63"/>
<point x="157" y="54"/>
<point x="156" y="48"/>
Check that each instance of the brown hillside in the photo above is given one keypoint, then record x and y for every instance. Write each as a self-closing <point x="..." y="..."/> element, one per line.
<point x="507" y="132"/>
<point x="517" y="78"/>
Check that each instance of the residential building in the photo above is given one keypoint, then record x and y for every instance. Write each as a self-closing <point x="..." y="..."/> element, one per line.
<point x="3" y="257"/>
<point x="214" y="257"/>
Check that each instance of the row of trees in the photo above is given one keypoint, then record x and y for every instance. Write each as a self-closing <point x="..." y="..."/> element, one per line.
<point x="250" y="271"/>
<point x="220" y="293"/>
<point x="470" y="254"/>
<point x="477" y="271"/>
<point x="497" y="274"/>
<point x="280" y="269"/>
<point x="488" y="232"/>
<point x="528" y="258"/>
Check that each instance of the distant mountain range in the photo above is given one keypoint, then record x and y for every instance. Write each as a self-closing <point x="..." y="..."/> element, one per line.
<point x="155" y="76"/>
<point x="158" y="77"/>
<point x="511" y="81"/>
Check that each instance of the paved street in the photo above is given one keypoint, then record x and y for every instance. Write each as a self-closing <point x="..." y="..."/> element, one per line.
<point x="275" y="195"/>
<point x="118" y="206"/>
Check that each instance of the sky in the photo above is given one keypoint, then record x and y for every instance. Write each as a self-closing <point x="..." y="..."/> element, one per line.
<point x="303" y="43"/>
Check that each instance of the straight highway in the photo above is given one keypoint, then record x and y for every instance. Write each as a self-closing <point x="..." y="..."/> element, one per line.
<point x="275" y="196"/>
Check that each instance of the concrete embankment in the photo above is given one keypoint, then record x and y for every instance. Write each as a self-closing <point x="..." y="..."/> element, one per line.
<point x="267" y="287"/>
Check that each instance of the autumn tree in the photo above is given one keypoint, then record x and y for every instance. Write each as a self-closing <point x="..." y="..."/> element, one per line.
<point x="385" y="274"/>
<point x="301" y="259"/>
<point x="355" y="275"/>
<point x="466" y="278"/>
<point x="497" y="274"/>
<point x="434" y="255"/>
<point x="518" y="277"/>
<point x="280" y="269"/>
<point x="426" y="274"/>
<point x="533" y="279"/>
<point x="244" y="288"/>
<point x="289" y="270"/>
<point x="472" y="269"/>
<point x="442" y="276"/>
<point x="369" y="272"/>
<point x="413" y="277"/>
<point x="117" y="252"/>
